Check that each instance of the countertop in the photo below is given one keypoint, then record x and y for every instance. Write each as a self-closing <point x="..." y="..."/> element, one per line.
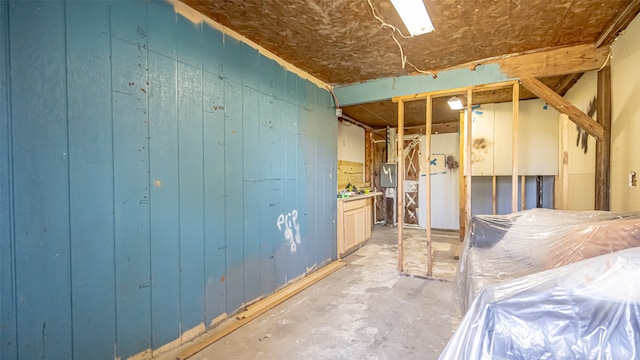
<point x="361" y="196"/>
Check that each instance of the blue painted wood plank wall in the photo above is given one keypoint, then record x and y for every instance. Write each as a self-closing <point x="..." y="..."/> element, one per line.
<point x="155" y="174"/>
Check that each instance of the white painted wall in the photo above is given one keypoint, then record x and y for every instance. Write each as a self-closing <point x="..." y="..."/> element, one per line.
<point x="537" y="139"/>
<point x="582" y="166"/>
<point x="351" y="143"/>
<point x="625" y="127"/>
<point x="483" y="141"/>
<point x="445" y="188"/>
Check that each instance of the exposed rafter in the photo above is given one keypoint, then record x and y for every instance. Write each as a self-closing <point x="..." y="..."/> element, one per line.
<point x="620" y="22"/>
<point x="559" y="103"/>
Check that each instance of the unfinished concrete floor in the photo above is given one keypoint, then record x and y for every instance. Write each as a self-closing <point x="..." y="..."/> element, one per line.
<point x="363" y="311"/>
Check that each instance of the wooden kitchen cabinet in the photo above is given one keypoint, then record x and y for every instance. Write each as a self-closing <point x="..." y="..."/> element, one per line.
<point x="354" y="222"/>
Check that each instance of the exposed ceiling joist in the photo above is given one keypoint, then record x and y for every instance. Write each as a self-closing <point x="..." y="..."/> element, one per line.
<point x="567" y="83"/>
<point x="619" y="23"/>
<point x="581" y="119"/>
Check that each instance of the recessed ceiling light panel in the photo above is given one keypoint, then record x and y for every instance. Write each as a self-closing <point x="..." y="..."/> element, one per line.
<point x="455" y="103"/>
<point x="414" y="15"/>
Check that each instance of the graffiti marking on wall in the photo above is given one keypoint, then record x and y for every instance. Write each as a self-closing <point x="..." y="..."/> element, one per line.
<point x="291" y="228"/>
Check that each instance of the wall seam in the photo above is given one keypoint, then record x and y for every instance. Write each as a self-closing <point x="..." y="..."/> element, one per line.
<point x="66" y="95"/>
<point x="10" y="165"/>
<point x="113" y="189"/>
<point x="204" y="187"/>
<point x="149" y="184"/>
<point x="179" y="196"/>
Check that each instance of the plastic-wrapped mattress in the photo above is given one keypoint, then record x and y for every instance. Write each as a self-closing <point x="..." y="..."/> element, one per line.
<point x="504" y="247"/>
<point x="586" y="310"/>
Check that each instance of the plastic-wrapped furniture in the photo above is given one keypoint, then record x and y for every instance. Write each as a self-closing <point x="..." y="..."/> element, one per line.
<point x="586" y="310"/>
<point x="503" y="247"/>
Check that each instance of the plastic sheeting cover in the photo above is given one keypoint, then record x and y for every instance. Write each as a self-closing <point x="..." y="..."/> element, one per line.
<point x="586" y="310"/>
<point x="504" y="247"/>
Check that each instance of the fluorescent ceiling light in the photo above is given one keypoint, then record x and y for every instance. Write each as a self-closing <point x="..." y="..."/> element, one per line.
<point x="414" y="15"/>
<point x="455" y="103"/>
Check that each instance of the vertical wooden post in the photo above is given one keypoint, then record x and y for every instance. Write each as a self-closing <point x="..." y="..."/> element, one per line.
<point x="603" y="147"/>
<point x="462" y="168"/>
<point x="400" y="185"/>
<point x="368" y="156"/>
<point x="514" y="148"/>
<point x="564" y="196"/>
<point x="468" y="158"/>
<point x="427" y="191"/>
<point x="494" y="202"/>
<point x="522" y="192"/>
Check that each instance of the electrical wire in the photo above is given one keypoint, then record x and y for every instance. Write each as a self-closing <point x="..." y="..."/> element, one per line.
<point x="333" y="95"/>
<point x="384" y="23"/>
<point x="395" y="30"/>
<point x="606" y="61"/>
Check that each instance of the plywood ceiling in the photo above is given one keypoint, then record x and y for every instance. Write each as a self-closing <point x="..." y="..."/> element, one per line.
<point x="340" y="42"/>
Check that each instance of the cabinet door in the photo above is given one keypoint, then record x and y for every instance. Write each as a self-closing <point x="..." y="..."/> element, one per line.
<point x="350" y="225"/>
<point x="367" y="222"/>
<point x="360" y="218"/>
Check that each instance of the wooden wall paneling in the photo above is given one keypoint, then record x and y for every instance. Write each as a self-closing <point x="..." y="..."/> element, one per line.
<point x="40" y="180"/>
<point x="8" y="319"/>
<point x="427" y="205"/>
<point x="90" y="168"/>
<point x="234" y="272"/>
<point x="514" y="151"/>
<point x="213" y="87"/>
<point x="191" y="174"/>
<point x="400" y="188"/>
<point x="131" y="176"/>
<point x="350" y="172"/>
<point x="164" y="177"/>
<point x="254" y="195"/>
<point x="603" y="147"/>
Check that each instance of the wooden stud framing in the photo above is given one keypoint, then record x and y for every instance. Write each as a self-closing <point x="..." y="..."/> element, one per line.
<point x="522" y="192"/>
<point x="603" y="147"/>
<point x="592" y="127"/>
<point x="493" y="196"/>
<point x="468" y="158"/>
<point x="514" y="148"/>
<point x="368" y="157"/>
<point x="564" y="195"/>
<point x="462" y="168"/>
<point x="427" y="151"/>
<point x="456" y="91"/>
<point x="400" y="187"/>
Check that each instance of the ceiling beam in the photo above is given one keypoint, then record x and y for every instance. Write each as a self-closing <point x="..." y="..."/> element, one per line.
<point x="554" y="62"/>
<point x="445" y="127"/>
<point x="581" y="119"/>
<point x="619" y="23"/>
<point x="549" y="62"/>
<point x="387" y="88"/>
